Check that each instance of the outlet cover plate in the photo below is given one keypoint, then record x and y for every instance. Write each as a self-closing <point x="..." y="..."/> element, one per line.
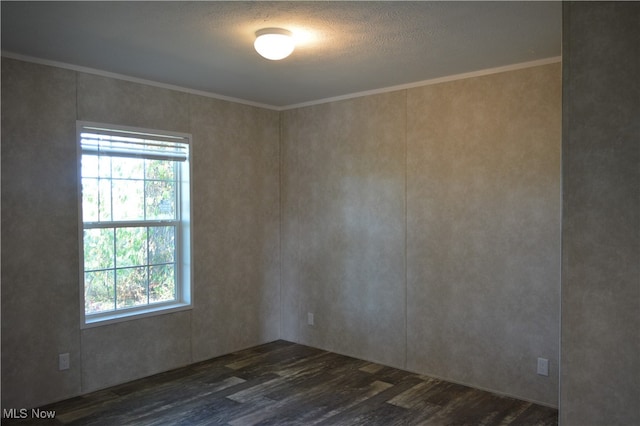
<point x="63" y="361"/>
<point x="543" y="366"/>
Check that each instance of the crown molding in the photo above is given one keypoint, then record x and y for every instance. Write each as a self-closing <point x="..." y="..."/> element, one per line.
<point x="117" y="76"/>
<point x="438" y="80"/>
<point x="432" y="81"/>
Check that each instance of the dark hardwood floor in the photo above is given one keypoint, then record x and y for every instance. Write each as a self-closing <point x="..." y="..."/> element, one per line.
<point x="282" y="383"/>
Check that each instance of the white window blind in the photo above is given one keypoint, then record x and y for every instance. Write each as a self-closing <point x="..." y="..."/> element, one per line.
<point x="126" y="143"/>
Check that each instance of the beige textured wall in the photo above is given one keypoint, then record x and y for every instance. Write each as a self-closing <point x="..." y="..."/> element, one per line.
<point x="343" y="199"/>
<point x="40" y="308"/>
<point x="601" y="215"/>
<point x="236" y="218"/>
<point x="483" y="231"/>
<point x="457" y="186"/>
<point x="235" y="243"/>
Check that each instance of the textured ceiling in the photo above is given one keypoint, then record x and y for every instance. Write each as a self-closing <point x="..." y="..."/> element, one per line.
<point x="343" y="47"/>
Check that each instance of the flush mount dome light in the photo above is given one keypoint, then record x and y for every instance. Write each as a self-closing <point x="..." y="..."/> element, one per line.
<point x="274" y="43"/>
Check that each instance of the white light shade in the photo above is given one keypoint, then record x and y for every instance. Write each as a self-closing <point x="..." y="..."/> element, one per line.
<point x="274" y="43"/>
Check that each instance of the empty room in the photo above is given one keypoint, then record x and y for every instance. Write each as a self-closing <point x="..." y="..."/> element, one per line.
<point x="402" y="213"/>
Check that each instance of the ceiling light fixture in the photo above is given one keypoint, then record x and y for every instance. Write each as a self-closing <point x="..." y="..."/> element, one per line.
<point x="274" y="43"/>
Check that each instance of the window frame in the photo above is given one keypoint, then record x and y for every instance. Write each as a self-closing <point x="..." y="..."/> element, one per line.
<point x="183" y="263"/>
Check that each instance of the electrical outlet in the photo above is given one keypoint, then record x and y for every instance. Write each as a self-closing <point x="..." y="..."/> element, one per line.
<point x="543" y="366"/>
<point x="63" y="361"/>
<point x="310" y="319"/>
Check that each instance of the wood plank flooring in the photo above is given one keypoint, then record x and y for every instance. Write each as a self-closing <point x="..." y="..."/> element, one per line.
<point x="283" y="383"/>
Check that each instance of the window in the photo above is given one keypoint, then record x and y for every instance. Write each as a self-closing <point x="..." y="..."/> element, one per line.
<point x="135" y="222"/>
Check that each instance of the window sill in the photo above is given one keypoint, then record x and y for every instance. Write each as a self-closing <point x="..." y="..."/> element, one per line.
<point x="122" y="316"/>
